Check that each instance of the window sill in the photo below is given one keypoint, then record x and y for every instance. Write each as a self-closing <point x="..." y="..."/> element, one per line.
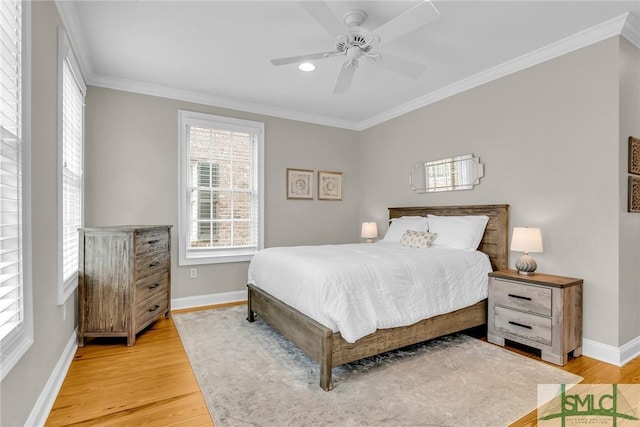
<point x="216" y="259"/>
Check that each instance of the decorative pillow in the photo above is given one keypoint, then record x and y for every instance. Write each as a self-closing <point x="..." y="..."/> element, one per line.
<point x="417" y="239"/>
<point x="400" y="225"/>
<point x="458" y="232"/>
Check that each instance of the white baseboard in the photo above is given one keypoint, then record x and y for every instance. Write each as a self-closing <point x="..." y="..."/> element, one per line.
<point x="630" y="351"/>
<point x="607" y="353"/>
<point x="47" y="398"/>
<point x="210" y="299"/>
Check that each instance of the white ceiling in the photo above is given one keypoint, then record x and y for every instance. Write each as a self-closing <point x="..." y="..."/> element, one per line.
<point x="218" y="52"/>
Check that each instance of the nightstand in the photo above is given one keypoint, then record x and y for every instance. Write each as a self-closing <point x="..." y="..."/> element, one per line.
<point x="541" y="311"/>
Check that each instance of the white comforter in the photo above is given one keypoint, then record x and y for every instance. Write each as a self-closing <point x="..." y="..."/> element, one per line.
<point x="358" y="288"/>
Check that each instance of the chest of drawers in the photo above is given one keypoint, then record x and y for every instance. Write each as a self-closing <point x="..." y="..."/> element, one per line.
<point x="124" y="282"/>
<point x="541" y="311"/>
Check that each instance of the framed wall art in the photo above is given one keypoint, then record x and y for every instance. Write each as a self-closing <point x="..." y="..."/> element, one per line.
<point x="299" y="184"/>
<point x="634" y="155"/>
<point x="634" y="194"/>
<point x="329" y="185"/>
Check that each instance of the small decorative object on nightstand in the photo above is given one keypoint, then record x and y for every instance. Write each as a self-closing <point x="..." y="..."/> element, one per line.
<point x="369" y="231"/>
<point x="541" y="311"/>
<point x="526" y="239"/>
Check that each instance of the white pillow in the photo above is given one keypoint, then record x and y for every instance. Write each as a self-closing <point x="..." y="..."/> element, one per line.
<point x="400" y="225"/>
<point x="458" y="232"/>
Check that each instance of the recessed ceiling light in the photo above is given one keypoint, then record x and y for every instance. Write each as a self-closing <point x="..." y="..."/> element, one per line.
<point x="306" y="66"/>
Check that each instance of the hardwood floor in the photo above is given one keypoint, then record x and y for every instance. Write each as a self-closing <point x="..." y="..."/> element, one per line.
<point x="152" y="383"/>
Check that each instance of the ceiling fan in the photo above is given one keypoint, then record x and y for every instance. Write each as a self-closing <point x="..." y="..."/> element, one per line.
<point x="355" y="41"/>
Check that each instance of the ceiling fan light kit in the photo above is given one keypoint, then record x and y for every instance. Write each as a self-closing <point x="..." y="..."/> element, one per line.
<point x="306" y="67"/>
<point x="355" y="41"/>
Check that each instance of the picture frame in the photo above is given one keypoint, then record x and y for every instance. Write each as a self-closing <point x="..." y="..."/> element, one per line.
<point x="634" y="155"/>
<point x="634" y="194"/>
<point x="299" y="184"/>
<point x="329" y="185"/>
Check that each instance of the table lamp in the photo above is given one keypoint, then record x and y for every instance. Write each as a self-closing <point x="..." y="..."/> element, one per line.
<point x="369" y="231"/>
<point x="526" y="239"/>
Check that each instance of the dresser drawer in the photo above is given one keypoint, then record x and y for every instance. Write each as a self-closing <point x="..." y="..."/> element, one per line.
<point x="532" y="299"/>
<point x="152" y="241"/>
<point x="152" y="285"/>
<point x="152" y="264"/>
<point x="530" y="326"/>
<point x="151" y="308"/>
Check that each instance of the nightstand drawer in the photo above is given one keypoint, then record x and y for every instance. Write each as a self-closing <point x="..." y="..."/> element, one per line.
<point x="532" y="299"/>
<point x="530" y="326"/>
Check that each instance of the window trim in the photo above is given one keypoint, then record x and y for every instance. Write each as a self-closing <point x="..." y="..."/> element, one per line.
<point x="20" y="340"/>
<point x="209" y="256"/>
<point x="67" y="287"/>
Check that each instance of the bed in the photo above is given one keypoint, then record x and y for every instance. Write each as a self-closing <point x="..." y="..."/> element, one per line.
<point x="329" y="348"/>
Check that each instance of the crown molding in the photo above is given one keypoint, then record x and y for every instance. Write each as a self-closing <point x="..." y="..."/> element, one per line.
<point x="215" y="101"/>
<point x="631" y="29"/>
<point x="577" y="41"/>
<point x="627" y="25"/>
<point x="71" y="22"/>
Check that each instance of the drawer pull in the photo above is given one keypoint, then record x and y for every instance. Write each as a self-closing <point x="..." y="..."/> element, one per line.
<point x="151" y="242"/>
<point x="155" y="307"/>
<point x="520" y="297"/>
<point x="520" y="324"/>
<point x="153" y="264"/>
<point x="155" y="285"/>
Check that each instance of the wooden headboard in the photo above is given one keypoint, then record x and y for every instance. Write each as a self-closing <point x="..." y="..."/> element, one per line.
<point x="496" y="235"/>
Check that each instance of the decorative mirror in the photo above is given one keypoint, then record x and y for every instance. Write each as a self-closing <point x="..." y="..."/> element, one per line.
<point x="455" y="173"/>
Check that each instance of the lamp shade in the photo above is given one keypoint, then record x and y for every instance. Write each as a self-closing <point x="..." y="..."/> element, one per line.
<point x="526" y="239"/>
<point x="369" y="230"/>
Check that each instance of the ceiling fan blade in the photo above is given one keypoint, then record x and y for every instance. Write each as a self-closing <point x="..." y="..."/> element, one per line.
<point x="345" y="77"/>
<point x="323" y="16"/>
<point x="302" y="58"/>
<point x="412" y="19"/>
<point x="400" y="65"/>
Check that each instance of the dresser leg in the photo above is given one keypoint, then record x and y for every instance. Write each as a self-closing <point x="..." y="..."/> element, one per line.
<point x="577" y="352"/>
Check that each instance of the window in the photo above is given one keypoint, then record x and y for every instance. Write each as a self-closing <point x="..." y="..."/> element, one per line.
<point x="16" y="327"/>
<point x="70" y="152"/>
<point x="221" y="197"/>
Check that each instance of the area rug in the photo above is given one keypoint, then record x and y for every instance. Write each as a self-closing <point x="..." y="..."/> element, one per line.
<point x="252" y="376"/>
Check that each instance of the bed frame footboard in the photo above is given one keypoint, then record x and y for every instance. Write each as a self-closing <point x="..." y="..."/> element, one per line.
<point x="329" y="349"/>
<point x="307" y="334"/>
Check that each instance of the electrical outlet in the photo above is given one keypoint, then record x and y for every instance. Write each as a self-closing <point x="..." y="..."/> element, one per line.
<point x="194" y="273"/>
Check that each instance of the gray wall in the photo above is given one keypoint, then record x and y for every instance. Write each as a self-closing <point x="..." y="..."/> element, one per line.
<point x="20" y="389"/>
<point x="549" y="139"/>
<point x="629" y="246"/>
<point x="131" y="172"/>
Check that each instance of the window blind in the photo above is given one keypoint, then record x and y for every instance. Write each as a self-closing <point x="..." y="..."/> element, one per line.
<point x="221" y="211"/>
<point x="223" y="188"/>
<point x="11" y="245"/>
<point x="72" y="137"/>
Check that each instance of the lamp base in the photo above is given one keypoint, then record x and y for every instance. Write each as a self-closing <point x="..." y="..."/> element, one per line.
<point x="526" y="265"/>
